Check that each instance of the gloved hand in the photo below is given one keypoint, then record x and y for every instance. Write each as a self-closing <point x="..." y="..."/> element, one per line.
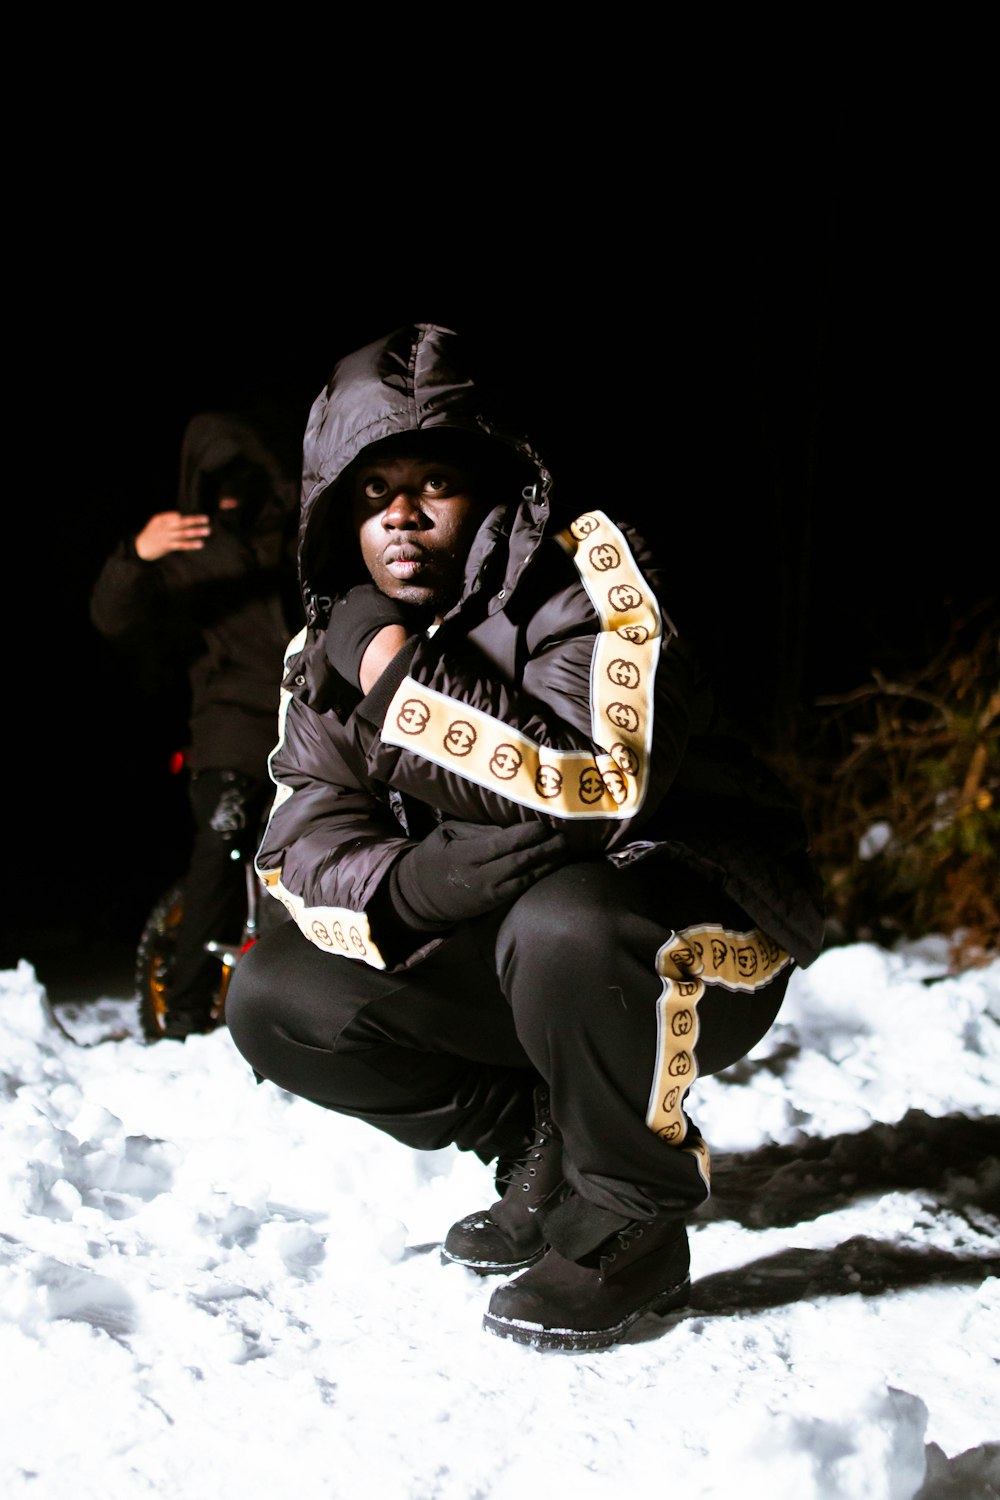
<point x="357" y="618"/>
<point x="463" y="870"/>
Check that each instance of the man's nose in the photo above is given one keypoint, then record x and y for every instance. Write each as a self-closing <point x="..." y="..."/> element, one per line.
<point x="403" y="510"/>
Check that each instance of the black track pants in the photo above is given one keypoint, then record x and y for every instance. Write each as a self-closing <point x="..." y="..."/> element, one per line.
<point x="617" y="987"/>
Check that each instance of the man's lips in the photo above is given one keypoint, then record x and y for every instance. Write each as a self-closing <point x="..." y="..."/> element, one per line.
<point x="404" y="563"/>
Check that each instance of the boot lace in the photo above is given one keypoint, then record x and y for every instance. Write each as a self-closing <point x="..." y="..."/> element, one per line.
<point x="522" y="1171"/>
<point x="622" y="1241"/>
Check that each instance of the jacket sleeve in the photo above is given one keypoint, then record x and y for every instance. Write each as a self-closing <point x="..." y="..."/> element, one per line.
<point x="329" y="840"/>
<point x="127" y="595"/>
<point x="590" y="729"/>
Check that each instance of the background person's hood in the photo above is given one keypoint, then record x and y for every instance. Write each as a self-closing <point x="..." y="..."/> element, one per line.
<point x="218" y="443"/>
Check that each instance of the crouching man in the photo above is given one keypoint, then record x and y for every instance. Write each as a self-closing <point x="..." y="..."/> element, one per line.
<point x="537" y="891"/>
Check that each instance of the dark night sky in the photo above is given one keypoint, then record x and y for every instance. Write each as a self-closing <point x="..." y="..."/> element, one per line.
<point x="756" y="338"/>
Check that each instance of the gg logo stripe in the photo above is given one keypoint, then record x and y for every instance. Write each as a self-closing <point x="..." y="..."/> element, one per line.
<point x="627" y="650"/>
<point x="607" y="783"/>
<point x="473" y="744"/>
<point x="689" y="961"/>
<point x="336" y="929"/>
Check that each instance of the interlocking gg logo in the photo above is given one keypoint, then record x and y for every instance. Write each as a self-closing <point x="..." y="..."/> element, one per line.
<point x="591" y="785"/>
<point x="548" y="781"/>
<point x="624" y="673"/>
<point x="506" y="761"/>
<point x="605" y="557"/>
<point x="616" y="784"/>
<point x="623" y="716"/>
<point x="584" y="526"/>
<point x="625" y="758"/>
<point x="460" y="737"/>
<point x="413" y="716"/>
<point x="624" y="597"/>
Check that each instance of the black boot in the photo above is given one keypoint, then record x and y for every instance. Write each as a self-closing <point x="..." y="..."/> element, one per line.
<point x="591" y="1303"/>
<point x="508" y="1236"/>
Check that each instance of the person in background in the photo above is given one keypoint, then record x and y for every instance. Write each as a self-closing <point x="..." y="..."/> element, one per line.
<point x="538" y="887"/>
<point x="210" y="585"/>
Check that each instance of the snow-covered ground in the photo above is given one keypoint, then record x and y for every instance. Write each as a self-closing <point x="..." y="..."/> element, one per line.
<point x="210" y="1290"/>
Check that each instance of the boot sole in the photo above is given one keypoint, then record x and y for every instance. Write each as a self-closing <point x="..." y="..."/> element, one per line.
<point x="539" y="1337"/>
<point x="493" y="1267"/>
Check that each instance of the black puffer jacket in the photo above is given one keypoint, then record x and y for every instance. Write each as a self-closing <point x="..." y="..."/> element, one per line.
<point x="223" y="614"/>
<point x="557" y="688"/>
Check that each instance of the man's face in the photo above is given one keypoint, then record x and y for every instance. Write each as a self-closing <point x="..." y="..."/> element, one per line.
<point x="415" y="520"/>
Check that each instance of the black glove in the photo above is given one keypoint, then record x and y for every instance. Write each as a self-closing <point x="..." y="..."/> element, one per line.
<point x="357" y="618"/>
<point x="462" y="870"/>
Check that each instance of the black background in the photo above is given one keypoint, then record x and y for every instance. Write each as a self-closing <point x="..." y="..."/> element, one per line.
<point x="753" y="322"/>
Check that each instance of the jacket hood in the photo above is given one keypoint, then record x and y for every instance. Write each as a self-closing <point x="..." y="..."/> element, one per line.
<point x="416" y="379"/>
<point x="222" y="446"/>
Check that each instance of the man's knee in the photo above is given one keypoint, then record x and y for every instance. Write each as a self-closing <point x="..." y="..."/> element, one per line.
<point x="287" y="998"/>
<point x="569" y="923"/>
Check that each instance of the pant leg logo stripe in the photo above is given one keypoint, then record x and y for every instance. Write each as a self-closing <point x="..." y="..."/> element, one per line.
<point x="708" y="954"/>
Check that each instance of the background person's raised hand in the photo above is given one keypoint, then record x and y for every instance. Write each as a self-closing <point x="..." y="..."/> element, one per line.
<point x="170" y="531"/>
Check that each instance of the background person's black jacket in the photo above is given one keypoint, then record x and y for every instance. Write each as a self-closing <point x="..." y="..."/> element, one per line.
<point x="223" y="614"/>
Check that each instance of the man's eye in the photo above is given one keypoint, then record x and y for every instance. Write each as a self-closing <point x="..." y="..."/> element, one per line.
<point x="374" y="489"/>
<point x="449" y="481"/>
